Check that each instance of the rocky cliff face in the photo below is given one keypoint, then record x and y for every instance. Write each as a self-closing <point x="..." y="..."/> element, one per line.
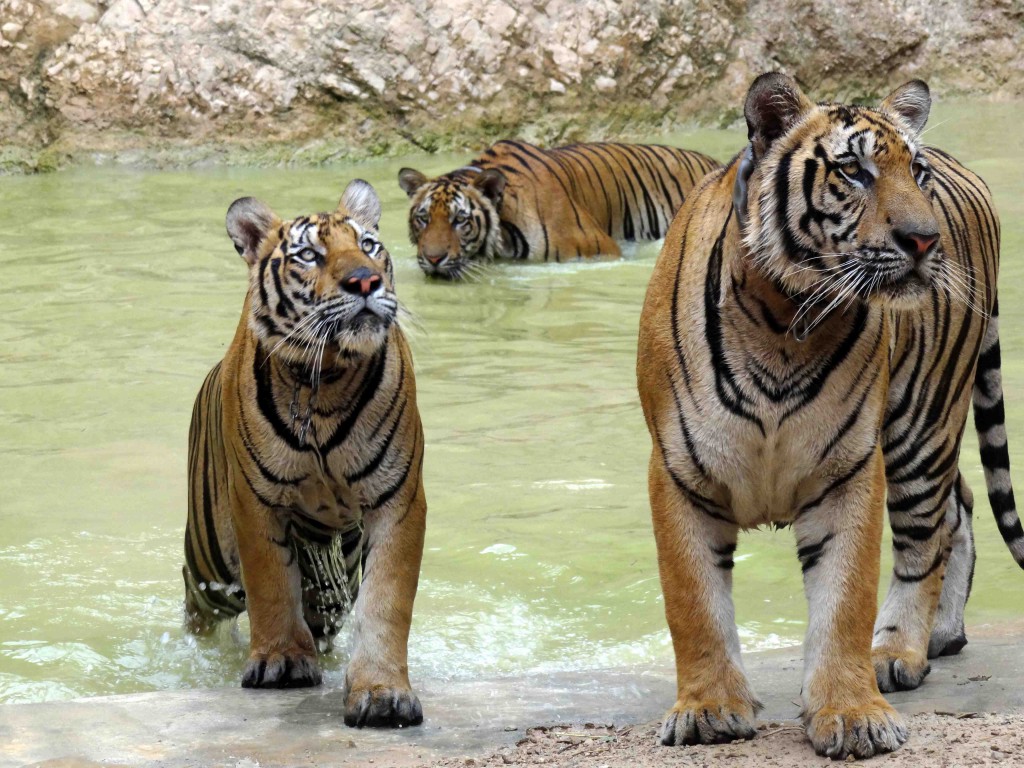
<point x="321" y="80"/>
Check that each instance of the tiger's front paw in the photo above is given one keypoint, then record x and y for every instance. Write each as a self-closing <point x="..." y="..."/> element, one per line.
<point x="707" y="722"/>
<point x="899" y="670"/>
<point x="862" y="731"/>
<point x="293" y="668"/>
<point x="382" y="707"/>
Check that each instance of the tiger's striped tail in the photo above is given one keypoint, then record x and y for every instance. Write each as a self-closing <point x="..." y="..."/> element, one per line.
<point x="990" y="421"/>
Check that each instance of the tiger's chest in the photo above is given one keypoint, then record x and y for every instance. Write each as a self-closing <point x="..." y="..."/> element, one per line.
<point x="760" y="476"/>
<point x="328" y="498"/>
<point x="313" y="468"/>
<point x="311" y="489"/>
<point x="766" y="430"/>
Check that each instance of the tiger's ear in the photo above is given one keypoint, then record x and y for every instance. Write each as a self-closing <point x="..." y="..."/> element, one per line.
<point x="911" y="102"/>
<point x="360" y="201"/>
<point x="491" y="183"/>
<point x="774" y="104"/>
<point x="410" y="180"/>
<point x="248" y="221"/>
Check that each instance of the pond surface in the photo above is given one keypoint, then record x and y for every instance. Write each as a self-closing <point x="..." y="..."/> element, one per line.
<point x="120" y="290"/>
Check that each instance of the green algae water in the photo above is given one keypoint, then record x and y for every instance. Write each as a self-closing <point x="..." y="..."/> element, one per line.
<point x="120" y="290"/>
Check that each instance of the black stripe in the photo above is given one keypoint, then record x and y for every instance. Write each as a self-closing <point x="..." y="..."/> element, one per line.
<point x="810" y="554"/>
<point x="368" y="390"/>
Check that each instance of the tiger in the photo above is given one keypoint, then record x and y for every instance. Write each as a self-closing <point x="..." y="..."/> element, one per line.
<point x="821" y="313"/>
<point x="519" y="201"/>
<point x="305" y="495"/>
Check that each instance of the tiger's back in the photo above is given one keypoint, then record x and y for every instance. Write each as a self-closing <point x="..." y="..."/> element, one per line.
<point x="569" y="202"/>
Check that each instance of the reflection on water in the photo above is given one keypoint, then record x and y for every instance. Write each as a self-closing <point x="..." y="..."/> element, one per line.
<point x="120" y="290"/>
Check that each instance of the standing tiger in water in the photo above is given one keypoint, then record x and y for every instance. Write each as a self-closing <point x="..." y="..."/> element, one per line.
<point x="518" y="201"/>
<point x="305" y="450"/>
<point x="811" y="334"/>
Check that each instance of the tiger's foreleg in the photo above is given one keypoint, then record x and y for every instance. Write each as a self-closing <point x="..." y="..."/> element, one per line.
<point x="282" y="652"/>
<point x="839" y="540"/>
<point x="377" y="688"/>
<point x="695" y="556"/>
<point x="918" y="516"/>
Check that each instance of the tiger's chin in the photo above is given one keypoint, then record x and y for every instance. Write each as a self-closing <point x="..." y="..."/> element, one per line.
<point x="451" y="271"/>
<point x="907" y="293"/>
<point x="365" y="334"/>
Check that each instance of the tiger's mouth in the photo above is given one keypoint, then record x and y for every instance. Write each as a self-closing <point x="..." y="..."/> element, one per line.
<point x="364" y="333"/>
<point x="905" y="285"/>
<point x="448" y="269"/>
<point x="369" y="318"/>
<point x="360" y="328"/>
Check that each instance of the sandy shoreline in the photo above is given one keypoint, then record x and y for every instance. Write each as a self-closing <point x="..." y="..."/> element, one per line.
<point x="949" y="740"/>
<point x="970" y="711"/>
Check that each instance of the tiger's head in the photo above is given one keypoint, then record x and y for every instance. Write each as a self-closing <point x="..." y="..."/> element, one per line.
<point x="317" y="281"/>
<point x="453" y="219"/>
<point x="834" y="200"/>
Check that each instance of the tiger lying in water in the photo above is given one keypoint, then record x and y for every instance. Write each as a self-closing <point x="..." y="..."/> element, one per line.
<point x="518" y="201"/>
<point x="305" y="494"/>
<point x="821" y="313"/>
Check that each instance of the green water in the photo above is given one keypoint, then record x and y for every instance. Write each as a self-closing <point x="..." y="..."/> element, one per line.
<point x="119" y="291"/>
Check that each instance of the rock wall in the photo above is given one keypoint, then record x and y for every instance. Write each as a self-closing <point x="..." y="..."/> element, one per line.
<point x="310" y="81"/>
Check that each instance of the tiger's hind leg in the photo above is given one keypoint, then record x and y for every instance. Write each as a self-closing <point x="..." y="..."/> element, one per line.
<point x="572" y="233"/>
<point x="590" y="241"/>
<point x="948" y="634"/>
<point x="205" y="609"/>
<point x="918" y="513"/>
<point x="212" y="575"/>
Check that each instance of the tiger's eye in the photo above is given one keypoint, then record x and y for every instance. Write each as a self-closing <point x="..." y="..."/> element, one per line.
<point x="851" y="169"/>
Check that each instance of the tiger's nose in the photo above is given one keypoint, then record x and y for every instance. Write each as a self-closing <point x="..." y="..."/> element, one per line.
<point x="916" y="244"/>
<point x="360" y="282"/>
<point x="435" y="259"/>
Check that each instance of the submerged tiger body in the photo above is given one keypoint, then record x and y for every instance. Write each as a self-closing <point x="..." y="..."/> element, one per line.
<point x="305" y="450"/>
<point x="820" y="315"/>
<point x="518" y="201"/>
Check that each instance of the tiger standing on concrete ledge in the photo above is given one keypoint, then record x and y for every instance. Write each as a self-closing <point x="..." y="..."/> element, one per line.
<point x="518" y="201"/>
<point x="305" y="450"/>
<point x="820" y="313"/>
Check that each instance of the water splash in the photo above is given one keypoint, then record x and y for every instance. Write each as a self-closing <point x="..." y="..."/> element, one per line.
<point x="331" y="571"/>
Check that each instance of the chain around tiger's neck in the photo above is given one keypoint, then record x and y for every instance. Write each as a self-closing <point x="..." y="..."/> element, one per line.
<point x="304" y="376"/>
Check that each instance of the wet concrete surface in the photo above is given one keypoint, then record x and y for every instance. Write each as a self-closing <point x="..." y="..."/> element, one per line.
<point x="259" y="729"/>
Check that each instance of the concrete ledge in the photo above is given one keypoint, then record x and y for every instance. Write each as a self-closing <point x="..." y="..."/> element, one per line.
<point x="246" y="729"/>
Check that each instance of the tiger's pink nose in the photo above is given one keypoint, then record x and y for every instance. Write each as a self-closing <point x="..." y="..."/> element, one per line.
<point x="916" y="244"/>
<point x="435" y="259"/>
<point x="360" y="282"/>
